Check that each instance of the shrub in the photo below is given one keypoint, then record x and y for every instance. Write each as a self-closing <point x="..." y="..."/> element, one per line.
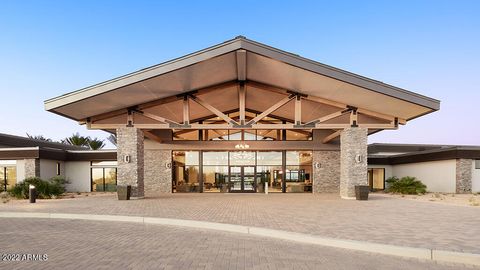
<point x="46" y="189"/>
<point x="406" y="185"/>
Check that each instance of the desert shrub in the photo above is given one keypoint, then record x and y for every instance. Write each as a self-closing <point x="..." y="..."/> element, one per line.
<point x="406" y="185"/>
<point x="46" y="189"/>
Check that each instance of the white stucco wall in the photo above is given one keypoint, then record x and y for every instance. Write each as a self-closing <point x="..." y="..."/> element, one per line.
<point x="48" y="168"/>
<point x="439" y="176"/>
<point x="20" y="170"/>
<point x="78" y="174"/>
<point x="475" y="178"/>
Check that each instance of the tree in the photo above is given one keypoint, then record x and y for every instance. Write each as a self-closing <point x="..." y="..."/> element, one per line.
<point x="95" y="143"/>
<point x="113" y="139"/>
<point x="39" y="137"/>
<point x="77" y="139"/>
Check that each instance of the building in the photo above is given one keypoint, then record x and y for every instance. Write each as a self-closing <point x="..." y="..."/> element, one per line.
<point x="443" y="168"/>
<point x="240" y="114"/>
<point x="86" y="170"/>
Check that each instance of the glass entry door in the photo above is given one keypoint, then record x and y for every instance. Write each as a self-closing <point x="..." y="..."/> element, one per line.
<point x="242" y="179"/>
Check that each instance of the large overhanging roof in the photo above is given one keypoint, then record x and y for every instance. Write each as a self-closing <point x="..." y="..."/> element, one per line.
<point x="241" y="60"/>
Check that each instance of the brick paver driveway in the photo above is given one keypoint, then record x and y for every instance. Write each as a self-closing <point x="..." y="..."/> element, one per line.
<point x="112" y="245"/>
<point x="381" y="219"/>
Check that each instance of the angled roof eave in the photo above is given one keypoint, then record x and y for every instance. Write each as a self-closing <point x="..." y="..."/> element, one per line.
<point x="340" y="74"/>
<point x="252" y="46"/>
<point x="143" y="74"/>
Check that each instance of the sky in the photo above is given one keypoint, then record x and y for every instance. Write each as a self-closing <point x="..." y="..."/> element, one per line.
<point x="48" y="48"/>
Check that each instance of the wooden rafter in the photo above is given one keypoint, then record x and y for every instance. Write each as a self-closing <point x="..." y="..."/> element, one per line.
<point x="332" y="136"/>
<point x="186" y="111"/>
<point x="156" y="117"/>
<point x="298" y="110"/>
<point x="241" y="102"/>
<point x="271" y="109"/>
<point x="214" y="110"/>
<point x="328" y="117"/>
<point x="241" y="57"/>
<point x="152" y="136"/>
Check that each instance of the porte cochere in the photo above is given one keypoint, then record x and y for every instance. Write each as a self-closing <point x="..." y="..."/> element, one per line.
<point x="242" y="116"/>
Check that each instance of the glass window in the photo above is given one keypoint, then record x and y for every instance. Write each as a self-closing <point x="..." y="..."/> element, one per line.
<point x="104" y="176"/>
<point x="8" y="177"/>
<point x="186" y="157"/>
<point x="242" y="158"/>
<point x="271" y="175"/>
<point x="97" y="179"/>
<point x="58" y="168"/>
<point x="477" y="164"/>
<point x="269" y="135"/>
<point x="104" y="163"/>
<point x="215" y="178"/>
<point x="299" y="134"/>
<point x="110" y="179"/>
<point x="269" y="158"/>
<point x="215" y="158"/>
<point x="185" y="171"/>
<point x="185" y="135"/>
<point x="7" y="162"/>
<point x="299" y="157"/>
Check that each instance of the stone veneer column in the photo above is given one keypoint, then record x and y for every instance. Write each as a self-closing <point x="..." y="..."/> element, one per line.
<point x="326" y="177"/>
<point x="463" y="178"/>
<point x="353" y="171"/>
<point x="32" y="168"/>
<point x="130" y="142"/>
<point x="158" y="171"/>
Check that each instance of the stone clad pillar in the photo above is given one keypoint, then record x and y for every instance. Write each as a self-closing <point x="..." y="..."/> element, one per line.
<point x="353" y="160"/>
<point x="32" y="168"/>
<point x="130" y="170"/>
<point x="463" y="178"/>
<point x="326" y="171"/>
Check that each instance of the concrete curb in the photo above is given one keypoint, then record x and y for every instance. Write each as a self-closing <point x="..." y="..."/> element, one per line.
<point x="402" y="251"/>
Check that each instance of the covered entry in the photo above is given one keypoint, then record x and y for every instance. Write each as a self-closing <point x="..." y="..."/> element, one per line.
<point x="242" y="96"/>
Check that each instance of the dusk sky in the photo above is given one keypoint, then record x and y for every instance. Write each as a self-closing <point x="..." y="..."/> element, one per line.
<point x="48" y="48"/>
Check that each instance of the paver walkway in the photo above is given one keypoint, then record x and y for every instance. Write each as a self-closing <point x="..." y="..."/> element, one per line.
<point x="110" y="245"/>
<point x="381" y="219"/>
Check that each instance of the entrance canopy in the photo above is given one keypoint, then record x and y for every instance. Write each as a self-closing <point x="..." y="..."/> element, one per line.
<point x="242" y="84"/>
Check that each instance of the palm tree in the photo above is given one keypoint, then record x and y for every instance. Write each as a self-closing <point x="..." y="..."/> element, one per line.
<point x="95" y="143"/>
<point x="113" y="139"/>
<point x="39" y="137"/>
<point x="77" y="139"/>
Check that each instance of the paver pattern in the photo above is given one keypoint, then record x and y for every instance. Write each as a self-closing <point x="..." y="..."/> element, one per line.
<point x="381" y="219"/>
<point x="74" y="244"/>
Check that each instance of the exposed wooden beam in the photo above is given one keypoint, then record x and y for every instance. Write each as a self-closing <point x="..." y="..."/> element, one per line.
<point x="328" y="117"/>
<point x="332" y="136"/>
<point x="214" y="110"/>
<point x="241" y="65"/>
<point x="152" y="136"/>
<point x="233" y="127"/>
<point x="156" y="117"/>
<point x="130" y="118"/>
<point x="186" y="111"/>
<point x="271" y="109"/>
<point x="353" y="118"/>
<point x="298" y="110"/>
<point x="241" y="102"/>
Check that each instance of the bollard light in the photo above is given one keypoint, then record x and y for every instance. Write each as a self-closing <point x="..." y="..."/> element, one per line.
<point x="32" y="193"/>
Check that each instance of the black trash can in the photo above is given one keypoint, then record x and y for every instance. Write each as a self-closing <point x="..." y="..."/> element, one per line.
<point x="361" y="192"/>
<point x="124" y="192"/>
